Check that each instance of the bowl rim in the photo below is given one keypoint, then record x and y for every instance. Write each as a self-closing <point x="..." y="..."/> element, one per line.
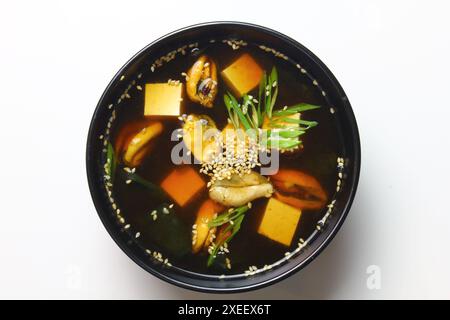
<point x="356" y="163"/>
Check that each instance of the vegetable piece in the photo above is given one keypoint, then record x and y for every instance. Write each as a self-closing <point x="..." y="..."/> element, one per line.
<point x="283" y="127"/>
<point x="299" y="190"/>
<point x="167" y="231"/>
<point x="279" y="222"/>
<point x="198" y="136"/>
<point x="230" y="224"/>
<point x="156" y="191"/>
<point x="163" y="99"/>
<point x="238" y="190"/>
<point x="201" y="82"/>
<point x="111" y="162"/>
<point x="182" y="184"/>
<point x="202" y="233"/>
<point x="139" y="145"/>
<point x="284" y="134"/>
<point x="243" y="75"/>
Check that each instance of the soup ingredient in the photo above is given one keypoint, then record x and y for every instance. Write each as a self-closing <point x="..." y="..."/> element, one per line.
<point x="239" y="190"/>
<point x="285" y="133"/>
<point x="126" y="133"/>
<point x="111" y="162"/>
<point x="229" y="223"/>
<point x="168" y="231"/>
<point x="199" y="133"/>
<point x="139" y="145"/>
<point x="299" y="190"/>
<point x="243" y="75"/>
<point x="282" y="127"/>
<point x="182" y="184"/>
<point x="279" y="221"/>
<point x="201" y="82"/>
<point x="156" y="191"/>
<point x="163" y="99"/>
<point x="202" y="233"/>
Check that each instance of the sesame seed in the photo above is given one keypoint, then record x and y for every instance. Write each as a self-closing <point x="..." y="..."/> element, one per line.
<point x="137" y="235"/>
<point x="127" y="227"/>
<point x="122" y="77"/>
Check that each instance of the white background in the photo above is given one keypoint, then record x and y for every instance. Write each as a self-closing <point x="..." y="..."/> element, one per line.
<point x="391" y="57"/>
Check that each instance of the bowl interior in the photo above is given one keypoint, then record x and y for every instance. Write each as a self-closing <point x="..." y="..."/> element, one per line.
<point x="338" y="104"/>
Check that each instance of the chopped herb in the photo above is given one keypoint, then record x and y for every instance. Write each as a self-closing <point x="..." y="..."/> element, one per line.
<point x="282" y="132"/>
<point x="231" y="221"/>
<point x="156" y="190"/>
<point x="111" y="162"/>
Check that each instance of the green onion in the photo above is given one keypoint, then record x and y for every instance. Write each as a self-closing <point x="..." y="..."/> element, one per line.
<point x="234" y="218"/>
<point x="156" y="190"/>
<point x="111" y="162"/>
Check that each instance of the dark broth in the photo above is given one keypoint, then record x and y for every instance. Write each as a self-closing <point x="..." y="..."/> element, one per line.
<point x="318" y="158"/>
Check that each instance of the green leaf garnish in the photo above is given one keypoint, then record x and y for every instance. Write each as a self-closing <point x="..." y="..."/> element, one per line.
<point x="155" y="189"/>
<point x="232" y="217"/>
<point x="254" y="115"/>
<point x="111" y="162"/>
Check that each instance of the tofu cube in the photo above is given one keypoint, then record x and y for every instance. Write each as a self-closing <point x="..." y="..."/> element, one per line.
<point x="279" y="221"/>
<point x="243" y="75"/>
<point x="182" y="184"/>
<point x="163" y="99"/>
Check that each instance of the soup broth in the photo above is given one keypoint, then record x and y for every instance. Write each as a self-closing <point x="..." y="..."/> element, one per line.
<point x="157" y="202"/>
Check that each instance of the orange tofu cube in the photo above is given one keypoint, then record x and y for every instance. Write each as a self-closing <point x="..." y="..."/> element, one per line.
<point x="279" y="221"/>
<point x="243" y="75"/>
<point x="182" y="184"/>
<point x="163" y="99"/>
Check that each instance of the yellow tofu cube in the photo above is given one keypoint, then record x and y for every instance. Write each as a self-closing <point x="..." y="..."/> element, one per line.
<point x="163" y="99"/>
<point x="182" y="184"/>
<point x="243" y="75"/>
<point x="279" y="221"/>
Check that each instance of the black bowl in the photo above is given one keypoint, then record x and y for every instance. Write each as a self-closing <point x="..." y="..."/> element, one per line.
<point x="336" y="98"/>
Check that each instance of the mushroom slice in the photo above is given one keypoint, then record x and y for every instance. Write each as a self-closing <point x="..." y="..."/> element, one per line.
<point x="239" y="190"/>
<point x="202" y="234"/>
<point x="299" y="190"/>
<point x="199" y="135"/>
<point x="201" y="83"/>
<point x="139" y="145"/>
